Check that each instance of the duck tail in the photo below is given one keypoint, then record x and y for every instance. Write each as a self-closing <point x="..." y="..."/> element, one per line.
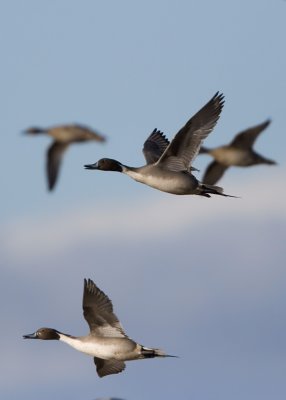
<point x="206" y="190"/>
<point x="269" y="162"/>
<point x="146" y="352"/>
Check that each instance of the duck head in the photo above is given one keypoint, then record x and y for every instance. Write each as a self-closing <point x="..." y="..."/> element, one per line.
<point x="44" y="334"/>
<point x="106" y="164"/>
<point x="34" y="130"/>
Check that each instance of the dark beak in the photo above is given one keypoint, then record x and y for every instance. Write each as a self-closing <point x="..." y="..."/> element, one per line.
<point x="91" y="166"/>
<point x="31" y="336"/>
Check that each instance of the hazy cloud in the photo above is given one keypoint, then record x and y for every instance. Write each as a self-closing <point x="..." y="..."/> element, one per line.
<point x="34" y="237"/>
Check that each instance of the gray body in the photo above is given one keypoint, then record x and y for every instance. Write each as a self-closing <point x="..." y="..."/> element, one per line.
<point x="107" y="348"/>
<point x="180" y="183"/>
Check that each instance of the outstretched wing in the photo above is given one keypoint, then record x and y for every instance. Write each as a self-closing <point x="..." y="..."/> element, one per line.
<point x="108" y="367"/>
<point x="186" y="144"/>
<point x="155" y="146"/>
<point x="98" y="312"/>
<point x="54" y="158"/>
<point x="213" y="173"/>
<point x="246" y="139"/>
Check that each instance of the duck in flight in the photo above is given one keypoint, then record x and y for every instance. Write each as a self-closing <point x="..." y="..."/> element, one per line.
<point x="168" y="165"/>
<point x="238" y="153"/>
<point x="107" y="342"/>
<point x="63" y="136"/>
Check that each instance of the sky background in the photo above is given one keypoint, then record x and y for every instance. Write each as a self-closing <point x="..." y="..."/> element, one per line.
<point x="203" y="279"/>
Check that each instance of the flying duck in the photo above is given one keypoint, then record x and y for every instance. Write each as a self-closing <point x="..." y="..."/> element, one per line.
<point x="63" y="136"/>
<point x="107" y="342"/>
<point x="238" y="153"/>
<point x="168" y="165"/>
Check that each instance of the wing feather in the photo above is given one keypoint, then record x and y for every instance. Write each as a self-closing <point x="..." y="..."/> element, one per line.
<point x="246" y="138"/>
<point x="54" y="158"/>
<point x="186" y="144"/>
<point x="98" y="312"/>
<point x="213" y="173"/>
<point x="154" y="146"/>
<point x="108" y="367"/>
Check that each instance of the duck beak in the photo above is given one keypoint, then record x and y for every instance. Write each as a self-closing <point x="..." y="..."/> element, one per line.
<point x="31" y="336"/>
<point x="91" y="166"/>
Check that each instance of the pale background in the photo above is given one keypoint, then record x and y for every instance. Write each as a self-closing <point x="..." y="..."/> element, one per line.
<point x="203" y="279"/>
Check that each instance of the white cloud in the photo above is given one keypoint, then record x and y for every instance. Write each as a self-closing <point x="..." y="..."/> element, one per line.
<point x="225" y="283"/>
<point x="32" y="237"/>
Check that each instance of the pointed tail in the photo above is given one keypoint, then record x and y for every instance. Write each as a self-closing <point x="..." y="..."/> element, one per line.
<point x="151" y="353"/>
<point x="206" y="190"/>
<point x="269" y="162"/>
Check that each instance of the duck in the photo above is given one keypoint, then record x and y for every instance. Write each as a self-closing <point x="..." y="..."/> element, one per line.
<point x="107" y="341"/>
<point x="168" y="164"/>
<point x="63" y="136"/>
<point x="238" y="153"/>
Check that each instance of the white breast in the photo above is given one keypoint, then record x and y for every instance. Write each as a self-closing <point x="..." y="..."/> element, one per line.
<point x="173" y="182"/>
<point x="93" y="348"/>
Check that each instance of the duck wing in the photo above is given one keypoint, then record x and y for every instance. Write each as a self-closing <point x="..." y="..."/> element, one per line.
<point x="154" y="146"/>
<point x="214" y="172"/>
<point x="54" y="157"/>
<point x="83" y="133"/>
<point x="98" y="312"/>
<point x="246" y="138"/>
<point x="186" y="144"/>
<point x="108" y="367"/>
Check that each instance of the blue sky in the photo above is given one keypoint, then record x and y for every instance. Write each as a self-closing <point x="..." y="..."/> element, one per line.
<point x="201" y="278"/>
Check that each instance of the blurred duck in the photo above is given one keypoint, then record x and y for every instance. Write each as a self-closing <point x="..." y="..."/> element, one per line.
<point x="168" y="165"/>
<point x="63" y="136"/>
<point x="238" y="153"/>
<point x="107" y="342"/>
